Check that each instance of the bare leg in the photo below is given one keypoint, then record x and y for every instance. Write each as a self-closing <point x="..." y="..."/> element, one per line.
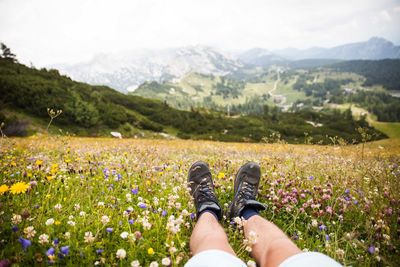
<point x="272" y="246"/>
<point x="209" y="234"/>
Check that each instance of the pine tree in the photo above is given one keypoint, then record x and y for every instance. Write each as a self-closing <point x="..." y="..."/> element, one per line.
<point x="6" y="53"/>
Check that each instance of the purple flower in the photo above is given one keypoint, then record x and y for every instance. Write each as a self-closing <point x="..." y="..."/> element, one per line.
<point x="295" y="236"/>
<point x="50" y="252"/>
<point x="131" y="221"/>
<point x="119" y="177"/>
<point x="311" y="177"/>
<point x="355" y="201"/>
<point x="322" y="227"/>
<point x="142" y="205"/>
<point x="56" y="241"/>
<point x="15" y="228"/>
<point x="164" y="213"/>
<point x="99" y="251"/>
<point x="109" y="230"/>
<point x="371" y="249"/>
<point x="135" y="191"/>
<point x="192" y="216"/>
<point x="347" y="191"/>
<point x="25" y="243"/>
<point x="327" y="238"/>
<point x="64" y="250"/>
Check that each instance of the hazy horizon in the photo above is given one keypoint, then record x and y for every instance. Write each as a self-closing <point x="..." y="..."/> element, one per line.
<point x="47" y="32"/>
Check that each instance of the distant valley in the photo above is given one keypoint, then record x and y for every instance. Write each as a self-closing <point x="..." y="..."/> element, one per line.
<point x="127" y="71"/>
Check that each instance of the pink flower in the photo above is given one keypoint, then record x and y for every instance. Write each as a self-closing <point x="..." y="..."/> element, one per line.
<point x="329" y="209"/>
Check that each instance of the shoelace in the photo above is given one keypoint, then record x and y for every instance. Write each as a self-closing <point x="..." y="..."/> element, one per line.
<point x="247" y="191"/>
<point x="205" y="191"/>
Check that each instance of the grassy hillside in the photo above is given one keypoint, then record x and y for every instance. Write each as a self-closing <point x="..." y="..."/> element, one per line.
<point x="371" y="84"/>
<point x="26" y="93"/>
<point x="384" y="72"/>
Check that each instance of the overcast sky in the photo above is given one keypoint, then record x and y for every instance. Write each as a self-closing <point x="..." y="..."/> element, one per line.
<point x="54" y="31"/>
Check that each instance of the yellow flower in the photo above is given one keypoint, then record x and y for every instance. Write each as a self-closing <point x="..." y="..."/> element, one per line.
<point x="54" y="168"/>
<point x="49" y="178"/>
<point x="48" y="196"/>
<point x="39" y="162"/>
<point x="3" y="188"/>
<point x="19" y="187"/>
<point x="13" y="164"/>
<point x="150" y="251"/>
<point x="221" y="175"/>
<point x="57" y="222"/>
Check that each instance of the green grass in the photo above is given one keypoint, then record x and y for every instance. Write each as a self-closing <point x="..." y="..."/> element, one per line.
<point x="391" y="129"/>
<point x="94" y="177"/>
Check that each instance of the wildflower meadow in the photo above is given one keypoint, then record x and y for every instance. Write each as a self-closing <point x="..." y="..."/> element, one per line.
<point x="98" y="201"/>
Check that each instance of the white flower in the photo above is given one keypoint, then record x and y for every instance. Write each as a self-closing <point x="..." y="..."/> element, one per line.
<point x="145" y="223"/>
<point x="340" y="252"/>
<point x="77" y="207"/>
<point x="30" y="232"/>
<point x="124" y="235"/>
<point x="71" y="223"/>
<point x="121" y="253"/>
<point x="105" y="219"/>
<point x="16" y="219"/>
<point x="67" y="235"/>
<point x="82" y="214"/>
<point x="100" y="204"/>
<point x="314" y="223"/>
<point x="251" y="263"/>
<point x="185" y="212"/>
<point x="166" y="261"/>
<point x="153" y="264"/>
<point x="43" y="239"/>
<point x="50" y="222"/>
<point x="135" y="263"/>
<point x="252" y="238"/>
<point x="89" y="238"/>
<point x="58" y="207"/>
<point x="70" y="217"/>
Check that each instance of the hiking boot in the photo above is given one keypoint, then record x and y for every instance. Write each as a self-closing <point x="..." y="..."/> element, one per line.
<point x="202" y="189"/>
<point x="246" y="184"/>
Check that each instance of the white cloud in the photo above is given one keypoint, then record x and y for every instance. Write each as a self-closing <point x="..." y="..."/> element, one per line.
<point x="48" y="31"/>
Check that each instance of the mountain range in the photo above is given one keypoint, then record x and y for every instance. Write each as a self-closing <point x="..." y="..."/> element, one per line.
<point x="126" y="71"/>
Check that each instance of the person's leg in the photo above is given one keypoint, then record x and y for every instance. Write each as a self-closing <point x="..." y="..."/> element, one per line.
<point x="209" y="234"/>
<point x="272" y="246"/>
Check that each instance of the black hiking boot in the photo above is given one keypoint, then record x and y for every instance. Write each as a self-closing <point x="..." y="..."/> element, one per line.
<point x="202" y="189"/>
<point x="245" y="190"/>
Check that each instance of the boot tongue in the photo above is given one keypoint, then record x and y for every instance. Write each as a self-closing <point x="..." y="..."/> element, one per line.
<point x="254" y="204"/>
<point x="212" y="206"/>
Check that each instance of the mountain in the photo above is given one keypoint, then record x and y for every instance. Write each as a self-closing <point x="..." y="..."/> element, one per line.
<point x="126" y="71"/>
<point x="260" y="57"/>
<point x="373" y="49"/>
